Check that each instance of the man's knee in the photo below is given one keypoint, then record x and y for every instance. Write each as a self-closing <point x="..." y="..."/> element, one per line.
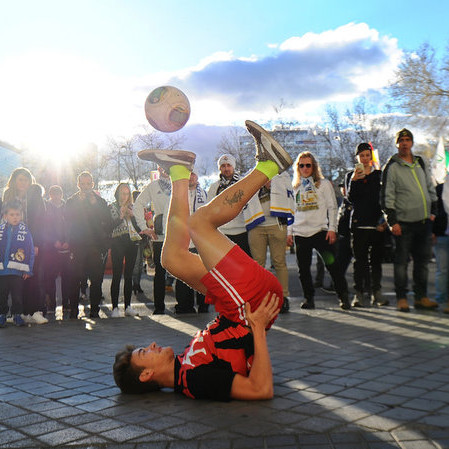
<point x="198" y="221"/>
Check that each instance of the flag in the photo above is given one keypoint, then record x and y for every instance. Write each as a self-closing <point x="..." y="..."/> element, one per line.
<point x="375" y="154"/>
<point x="440" y="162"/>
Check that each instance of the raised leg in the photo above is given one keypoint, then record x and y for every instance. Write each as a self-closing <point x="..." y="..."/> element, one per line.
<point x="176" y="257"/>
<point x="211" y="244"/>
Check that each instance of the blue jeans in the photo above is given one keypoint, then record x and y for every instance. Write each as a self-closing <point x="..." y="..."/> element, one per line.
<point x="442" y="274"/>
<point x="415" y="241"/>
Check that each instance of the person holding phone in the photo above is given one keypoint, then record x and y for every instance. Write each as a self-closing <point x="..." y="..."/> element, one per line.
<point x="367" y="227"/>
<point x="124" y="245"/>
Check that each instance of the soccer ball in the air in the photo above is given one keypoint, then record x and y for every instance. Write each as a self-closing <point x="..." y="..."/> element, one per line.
<point x="167" y="109"/>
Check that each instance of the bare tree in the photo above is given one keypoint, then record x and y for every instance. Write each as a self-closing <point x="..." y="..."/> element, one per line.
<point x="344" y="132"/>
<point x="421" y="88"/>
<point x="121" y="155"/>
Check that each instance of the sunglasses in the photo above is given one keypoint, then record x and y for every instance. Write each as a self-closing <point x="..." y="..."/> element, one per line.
<point x="305" y="165"/>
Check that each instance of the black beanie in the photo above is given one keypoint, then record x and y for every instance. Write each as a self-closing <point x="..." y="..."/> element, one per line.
<point x="363" y="147"/>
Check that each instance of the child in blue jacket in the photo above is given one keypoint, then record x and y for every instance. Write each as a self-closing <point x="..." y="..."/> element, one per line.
<point x="16" y="261"/>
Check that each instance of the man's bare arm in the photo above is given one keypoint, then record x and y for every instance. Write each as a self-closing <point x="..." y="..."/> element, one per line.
<point x="259" y="383"/>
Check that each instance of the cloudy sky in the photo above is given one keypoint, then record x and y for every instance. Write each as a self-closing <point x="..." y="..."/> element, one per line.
<point x="73" y="72"/>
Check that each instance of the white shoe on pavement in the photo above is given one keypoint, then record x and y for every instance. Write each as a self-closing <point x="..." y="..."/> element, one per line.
<point x="116" y="313"/>
<point x="38" y="318"/>
<point x="27" y="319"/>
<point x="131" y="312"/>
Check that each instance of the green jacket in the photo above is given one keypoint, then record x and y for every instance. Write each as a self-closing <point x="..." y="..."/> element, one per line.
<point x="407" y="193"/>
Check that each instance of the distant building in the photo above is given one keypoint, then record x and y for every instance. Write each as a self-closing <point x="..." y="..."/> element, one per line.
<point x="10" y="158"/>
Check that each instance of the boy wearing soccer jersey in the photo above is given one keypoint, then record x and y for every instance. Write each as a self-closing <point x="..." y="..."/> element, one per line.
<point x="228" y="359"/>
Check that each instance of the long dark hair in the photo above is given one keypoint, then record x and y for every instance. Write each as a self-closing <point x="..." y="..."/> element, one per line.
<point x="10" y="192"/>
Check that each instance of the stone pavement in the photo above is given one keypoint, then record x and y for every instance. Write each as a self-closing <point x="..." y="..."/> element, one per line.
<point x="368" y="378"/>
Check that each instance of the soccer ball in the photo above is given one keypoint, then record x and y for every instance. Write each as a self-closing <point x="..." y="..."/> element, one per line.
<point x="167" y="109"/>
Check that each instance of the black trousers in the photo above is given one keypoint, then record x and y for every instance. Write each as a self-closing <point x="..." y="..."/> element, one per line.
<point x="344" y="252"/>
<point x="242" y="241"/>
<point x="33" y="289"/>
<point x="123" y="249"/>
<point x="55" y="263"/>
<point x="86" y="260"/>
<point x="159" y="278"/>
<point x="13" y="284"/>
<point x="367" y="245"/>
<point x="304" y="247"/>
<point x="185" y="296"/>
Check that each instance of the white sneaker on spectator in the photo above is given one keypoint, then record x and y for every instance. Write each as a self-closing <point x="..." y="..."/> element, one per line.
<point x="131" y="312"/>
<point x="116" y="313"/>
<point x="38" y="318"/>
<point x="27" y="319"/>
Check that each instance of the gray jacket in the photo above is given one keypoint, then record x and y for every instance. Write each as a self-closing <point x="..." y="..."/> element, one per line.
<point x="407" y="193"/>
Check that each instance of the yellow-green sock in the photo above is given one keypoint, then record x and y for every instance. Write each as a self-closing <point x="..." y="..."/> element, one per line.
<point x="179" y="172"/>
<point x="269" y="168"/>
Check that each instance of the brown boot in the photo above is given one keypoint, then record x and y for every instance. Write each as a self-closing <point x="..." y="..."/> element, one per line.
<point x="403" y="305"/>
<point x="425" y="303"/>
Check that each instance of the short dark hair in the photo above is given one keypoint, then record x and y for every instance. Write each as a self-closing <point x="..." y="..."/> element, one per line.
<point x="363" y="147"/>
<point x="126" y="375"/>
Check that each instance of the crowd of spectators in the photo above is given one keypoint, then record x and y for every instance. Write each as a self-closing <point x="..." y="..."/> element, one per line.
<point x="41" y="239"/>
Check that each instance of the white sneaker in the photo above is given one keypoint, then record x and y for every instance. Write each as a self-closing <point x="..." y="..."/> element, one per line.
<point x="167" y="158"/>
<point x="39" y="318"/>
<point x="131" y="312"/>
<point x="268" y="148"/>
<point x="116" y="313"/>
<point x="27" y="319"/>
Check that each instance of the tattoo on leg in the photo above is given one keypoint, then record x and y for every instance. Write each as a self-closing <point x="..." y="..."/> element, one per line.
<point x="236" y="198"/>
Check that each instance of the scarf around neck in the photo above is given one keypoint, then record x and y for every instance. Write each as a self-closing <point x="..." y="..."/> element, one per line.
<point x="225" y="183"/>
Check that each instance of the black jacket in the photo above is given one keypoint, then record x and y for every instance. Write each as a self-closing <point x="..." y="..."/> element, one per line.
<point x="364" y="196"/>
<point x="440" y="223"/>
<point x="88" y="224"/>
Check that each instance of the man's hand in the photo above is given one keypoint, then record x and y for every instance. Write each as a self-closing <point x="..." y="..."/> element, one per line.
<point x="381" y="227"/>
<point x="396" y="229"/>
<point x="265" y="313"/>
<point x="357" y="175"/>
<point x="331" y="237"/>
<point x="259" y="383"/>
<point x="289" y="240"/>
<point x="92" y="198"/>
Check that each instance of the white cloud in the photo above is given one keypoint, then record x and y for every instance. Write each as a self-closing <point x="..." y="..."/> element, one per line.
<point x="57" y="102"/>
<point x="336" y="65"/>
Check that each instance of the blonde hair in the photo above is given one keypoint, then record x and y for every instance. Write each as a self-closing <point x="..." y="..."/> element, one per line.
<point x="117" y="194"/>
<point x="316" y="170"/>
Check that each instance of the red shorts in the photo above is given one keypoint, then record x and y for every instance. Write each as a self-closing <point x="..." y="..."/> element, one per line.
<point x="237" y="279"/>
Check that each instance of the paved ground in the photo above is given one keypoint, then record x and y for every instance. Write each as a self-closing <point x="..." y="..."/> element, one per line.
<point x="371" y="378"/>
